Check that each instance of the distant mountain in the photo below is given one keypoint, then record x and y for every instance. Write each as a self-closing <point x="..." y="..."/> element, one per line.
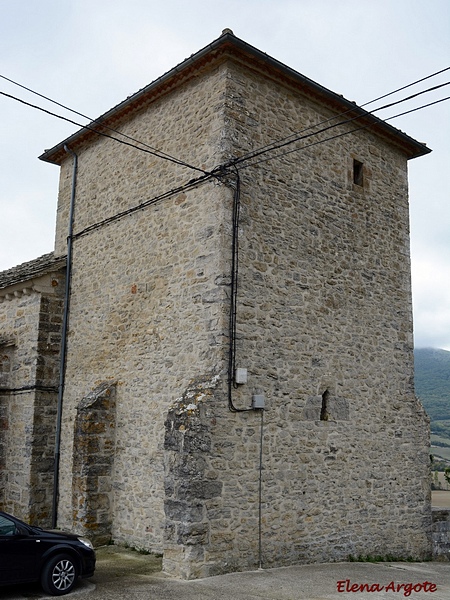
<point x="432" y="381"/>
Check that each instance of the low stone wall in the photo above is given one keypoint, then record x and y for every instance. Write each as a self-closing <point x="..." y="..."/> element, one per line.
<point x="441" y="533"/>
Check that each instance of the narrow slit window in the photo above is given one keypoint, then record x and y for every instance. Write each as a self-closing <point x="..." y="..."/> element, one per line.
<point x="324" y="409"/>
<point x="358" y="173"/>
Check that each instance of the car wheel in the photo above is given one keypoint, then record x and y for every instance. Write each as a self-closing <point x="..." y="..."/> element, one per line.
<point x="59" y="575"/>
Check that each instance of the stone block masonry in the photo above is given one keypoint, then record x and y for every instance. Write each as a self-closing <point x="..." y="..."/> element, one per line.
<point x="31" y="301"/>
<point x="93" y="462"/>
<point x="441" y="534"/>
<point x="323" y="326"/>
<point x="190" y="487"/>
<point x="324" y="330"/>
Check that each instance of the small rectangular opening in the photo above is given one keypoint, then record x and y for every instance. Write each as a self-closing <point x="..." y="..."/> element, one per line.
<point x="358" y="172"/>
<point x="324" y="409"/>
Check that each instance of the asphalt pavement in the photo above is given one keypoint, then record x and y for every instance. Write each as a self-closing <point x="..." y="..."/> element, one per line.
<point x="123" y="574"/>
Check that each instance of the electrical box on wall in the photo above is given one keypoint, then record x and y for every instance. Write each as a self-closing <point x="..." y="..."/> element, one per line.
<point x="258" y="401"/>
<point x="240" y="376"/>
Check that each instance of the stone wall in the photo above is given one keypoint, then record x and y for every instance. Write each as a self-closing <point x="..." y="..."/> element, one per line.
<point x="93" y="462"/>
<point x="30" y="327"/>
<point x="148" y="292"/>
<point x="325" y="309"/>
<point x="441" y="534"/>
<point x="191" y="488"/>
<point x="324" y="328"/>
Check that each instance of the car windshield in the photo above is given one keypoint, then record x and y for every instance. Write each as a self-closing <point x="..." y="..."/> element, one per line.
<point x="7" y="527"/>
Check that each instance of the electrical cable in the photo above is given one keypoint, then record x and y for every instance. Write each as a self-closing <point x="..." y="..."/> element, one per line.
<point x="128" y="137"/>
<point x="287" y="141"/>
<point x="235" y="270"/>
<point x="233" y="294"/>
<point x="407" y="112"/>
<point x="234" y="261"/>
<point x="223" y="170"/>
<point x="272" y="146"/>
<point x="292" y="135"/>
<point x="260" y="489"/>
<point x="29" y="388"/>
<point x="400" y="89"/>
<point x="161" y="154"/>
<point x="235" y="234"/>
<point x="362" y="127"/>
<point x="190" y="184"/>
<point x="369" y="102"/>
<point x="101" y="133"/>
<point x="234" y="266"/>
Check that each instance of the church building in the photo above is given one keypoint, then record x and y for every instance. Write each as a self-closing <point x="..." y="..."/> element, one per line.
<point x="215" y="363"/>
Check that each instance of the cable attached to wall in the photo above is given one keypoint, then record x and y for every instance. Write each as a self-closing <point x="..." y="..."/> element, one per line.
<point x="234" y="285"/>
<point x="233" y="294"/>
<point x="129" y="211"/>
<point x="28" y="388"/>
<point x="64" y="331"/>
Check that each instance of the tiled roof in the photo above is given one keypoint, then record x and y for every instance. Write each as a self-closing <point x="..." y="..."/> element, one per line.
<point x="29" y="270"/>
<point x="228" y="45"/>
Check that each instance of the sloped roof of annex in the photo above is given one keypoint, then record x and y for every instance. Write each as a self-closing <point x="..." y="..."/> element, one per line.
<point x="22" y="276"/>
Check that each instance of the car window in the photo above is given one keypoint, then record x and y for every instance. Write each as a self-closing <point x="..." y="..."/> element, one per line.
<point x="7" y="527"/>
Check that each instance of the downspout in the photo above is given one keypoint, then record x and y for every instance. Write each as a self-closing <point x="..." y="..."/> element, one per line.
<point x="62" y="364"/>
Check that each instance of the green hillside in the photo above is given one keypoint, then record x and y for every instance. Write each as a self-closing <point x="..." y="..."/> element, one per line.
<point x="432" y="381"/>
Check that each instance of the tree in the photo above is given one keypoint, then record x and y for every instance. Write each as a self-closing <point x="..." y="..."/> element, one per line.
<point x="447" y="474"/>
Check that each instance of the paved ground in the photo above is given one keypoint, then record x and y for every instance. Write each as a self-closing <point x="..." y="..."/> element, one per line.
<point x="123" y="574"/>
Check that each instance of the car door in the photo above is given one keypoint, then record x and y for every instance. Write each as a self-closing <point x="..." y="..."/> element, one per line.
<point x="18" y="552"/>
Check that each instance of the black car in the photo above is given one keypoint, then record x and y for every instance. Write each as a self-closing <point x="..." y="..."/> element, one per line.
<point x="53" y="558"/>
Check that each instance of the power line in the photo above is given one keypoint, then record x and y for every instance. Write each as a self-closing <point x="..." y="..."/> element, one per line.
<point x="264" y="149"/>
<point x="407" y="112"/>
<point x="249" y="156"/>
<point x="128" y="137"/>
<point x="287" y="141"/>
<point x="294" y="136"/>
<point x="243" y="160"/>
<point x="362" y="127"/>
<point x="29" y="388"/>
<point x="232" y="326"/>
<point x="182" y="188"/>
<point x="406" y="86"/>
<point x="225" y="170"/>
<point x="148" y="149"/>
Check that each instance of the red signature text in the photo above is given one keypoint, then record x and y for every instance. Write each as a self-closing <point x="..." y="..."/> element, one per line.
<point x="406" y="588"/>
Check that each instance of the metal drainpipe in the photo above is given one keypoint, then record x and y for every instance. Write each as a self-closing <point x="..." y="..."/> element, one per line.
<point x="62" y="363"/>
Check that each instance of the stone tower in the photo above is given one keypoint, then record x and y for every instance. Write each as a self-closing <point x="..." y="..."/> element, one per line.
<point x="239" y="376"/>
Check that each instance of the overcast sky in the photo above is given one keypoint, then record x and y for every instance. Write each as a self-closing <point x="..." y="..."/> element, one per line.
<point x="92" y="54"/>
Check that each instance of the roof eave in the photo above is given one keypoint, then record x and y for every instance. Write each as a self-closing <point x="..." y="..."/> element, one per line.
<point x="229" y="43"/>
<point x="33" y="269"/>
